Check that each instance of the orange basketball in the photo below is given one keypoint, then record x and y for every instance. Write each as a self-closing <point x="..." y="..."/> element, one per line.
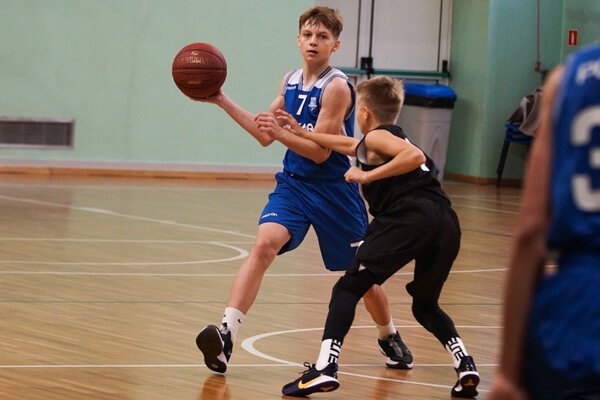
<point x="199" y="70"/>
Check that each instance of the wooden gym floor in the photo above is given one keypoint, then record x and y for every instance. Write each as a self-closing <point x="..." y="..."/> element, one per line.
<point x="104" y="285"/>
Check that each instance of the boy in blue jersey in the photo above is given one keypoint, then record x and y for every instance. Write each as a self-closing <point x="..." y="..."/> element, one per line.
<point x="551" y="340"/>
<point x="311" y="190"/>
<point x="412" y="220"/>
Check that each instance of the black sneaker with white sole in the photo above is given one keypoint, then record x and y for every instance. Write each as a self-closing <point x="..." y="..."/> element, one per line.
<point x="313" y="380"/>
<point x="468" y="379"/>
<point x="398" y="355"/>
<point x="216" y="347"/>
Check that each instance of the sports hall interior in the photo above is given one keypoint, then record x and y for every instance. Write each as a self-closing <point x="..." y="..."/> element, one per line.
<point x="121" y="235"/>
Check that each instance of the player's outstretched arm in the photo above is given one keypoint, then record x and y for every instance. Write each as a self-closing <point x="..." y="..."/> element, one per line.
<point x="341" y="144"/>
<point x="244" y="118"/>
<point x="383" y="146"/>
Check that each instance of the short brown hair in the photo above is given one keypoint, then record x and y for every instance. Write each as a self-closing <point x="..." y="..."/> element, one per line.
<point x="327" y="16"/>
<point x="383" y="95"/>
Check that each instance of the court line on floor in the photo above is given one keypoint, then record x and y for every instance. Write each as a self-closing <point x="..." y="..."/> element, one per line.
<point x="117" y="214"/>
<point x="248" y="345"/>
<point x="459" y="205"/>
<point x="83" y="273"/>
<point x="30" y="239"/>
<point x="241" y="255"/>
<point x="253" y="365"/>
<point x="488" y="199"/>
<point x="118" y="186"/>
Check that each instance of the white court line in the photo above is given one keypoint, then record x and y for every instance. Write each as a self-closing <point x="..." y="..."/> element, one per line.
<point x="93" y="240"/>
<point x="199" y="274"/>
<point x="116" y="214"/>
<point x="241" y="254"/>
<point x="459" y="205"/>
<point x="248" y="345"/>
<point x="131" y="366"/>
<point x="256" y="365"/>
<point x="488" y="199"/>
<point x="113" y="187"/>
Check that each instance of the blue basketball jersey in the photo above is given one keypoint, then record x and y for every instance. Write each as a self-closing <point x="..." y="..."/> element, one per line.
<point x="304" y="104"/>
<point x="575" y="189"/>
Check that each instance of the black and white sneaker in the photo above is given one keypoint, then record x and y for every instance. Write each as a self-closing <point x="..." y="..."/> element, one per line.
<point x="468" y="379"/>
<point x="216" y="347"/>
<point x="313" y="380"/>
<point x="398" y="355"/>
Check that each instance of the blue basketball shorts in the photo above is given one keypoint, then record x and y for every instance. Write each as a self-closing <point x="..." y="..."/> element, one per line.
<point x="334" y="209"/>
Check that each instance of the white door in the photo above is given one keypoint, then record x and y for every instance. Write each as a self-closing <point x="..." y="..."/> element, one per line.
<point x="409" y="38"/>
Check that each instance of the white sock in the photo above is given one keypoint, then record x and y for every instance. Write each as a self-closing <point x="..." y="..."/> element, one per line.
<point x="232" y="319"/>
<point x="386" y="330"/>
<point x="457" y="350"/>
<point x="330" y="351"/>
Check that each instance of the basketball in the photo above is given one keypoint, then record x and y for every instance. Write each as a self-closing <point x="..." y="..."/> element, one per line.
<point x="199" y="70"/>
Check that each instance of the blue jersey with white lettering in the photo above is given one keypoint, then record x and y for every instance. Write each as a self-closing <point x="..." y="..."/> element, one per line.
<point x="304" y="104"/>
<point x="575" y="189"/>
<point x="564" y="326"/>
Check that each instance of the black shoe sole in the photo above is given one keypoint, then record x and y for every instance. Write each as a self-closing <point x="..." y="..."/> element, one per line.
<point x="469" y="387"/>
<point x="321" y="388"/>
<point x="210" y="344"/>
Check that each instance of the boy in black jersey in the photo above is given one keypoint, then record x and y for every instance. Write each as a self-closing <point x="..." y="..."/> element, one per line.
<point x="412" y="220"/>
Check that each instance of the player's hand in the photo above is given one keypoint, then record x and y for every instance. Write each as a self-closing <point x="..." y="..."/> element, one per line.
<point x="503" y="389"/>
<point x="289" y="123"/>
<point x="355" y="174"/>
<point x="216" y="98"/>
<point x="267" y="124"/>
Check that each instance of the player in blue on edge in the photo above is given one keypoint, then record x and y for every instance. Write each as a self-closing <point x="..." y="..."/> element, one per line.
<point x="413" y="220"/>
<point x="551" y="340"/>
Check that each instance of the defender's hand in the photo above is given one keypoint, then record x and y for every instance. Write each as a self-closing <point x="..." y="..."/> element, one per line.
<point x="290" y="124"/>
<point x="355" y="174"/>
<point x="267" y="123"/>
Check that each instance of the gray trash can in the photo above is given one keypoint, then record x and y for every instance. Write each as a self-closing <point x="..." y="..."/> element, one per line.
<point x="425" y="119"/>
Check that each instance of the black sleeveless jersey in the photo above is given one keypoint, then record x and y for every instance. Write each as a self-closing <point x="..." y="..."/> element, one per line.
<point x="383" y="195"/>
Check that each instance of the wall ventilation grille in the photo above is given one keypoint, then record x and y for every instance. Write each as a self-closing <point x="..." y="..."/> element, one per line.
<point x="36" y="132"/>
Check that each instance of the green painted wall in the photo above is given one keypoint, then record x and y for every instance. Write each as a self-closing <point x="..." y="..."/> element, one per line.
<point x="494" y="52"/>
<point x="584" y="16"/>
<point x="108" y="65"/>
<point x="468" y="68"/>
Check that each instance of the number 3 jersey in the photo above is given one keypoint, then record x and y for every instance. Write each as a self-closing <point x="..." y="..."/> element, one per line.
<point x="305" y="104"/>
<point x="575" y="189"/>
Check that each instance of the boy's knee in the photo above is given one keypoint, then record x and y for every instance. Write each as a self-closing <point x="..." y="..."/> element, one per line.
<point x="357" y="284"/>
<point x="267" y="246"/>
<point x="421" y="309"/>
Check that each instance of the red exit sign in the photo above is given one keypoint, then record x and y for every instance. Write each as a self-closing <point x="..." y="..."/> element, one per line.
<point x="573" y="33"/>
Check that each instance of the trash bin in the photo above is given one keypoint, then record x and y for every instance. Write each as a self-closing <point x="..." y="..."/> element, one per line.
<point x="425" y="119"/>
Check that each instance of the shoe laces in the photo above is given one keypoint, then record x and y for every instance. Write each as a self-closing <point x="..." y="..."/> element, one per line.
<point x="308" y="366"/>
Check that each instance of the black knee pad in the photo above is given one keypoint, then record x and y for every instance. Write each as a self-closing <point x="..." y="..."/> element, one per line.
<point x="422" y="311"/>
<point x="435" y="320"/>
<point x="358" y="283"/>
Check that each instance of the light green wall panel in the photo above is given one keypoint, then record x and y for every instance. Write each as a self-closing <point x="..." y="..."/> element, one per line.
<point x="468" y="68"/>
<point x="583" y="16"/>
<point x="494" y="52"/>
<point x="512" y="54"/>
<point x="107" y="64"/>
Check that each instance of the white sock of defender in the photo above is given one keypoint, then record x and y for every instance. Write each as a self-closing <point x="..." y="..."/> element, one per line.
<point x="386" y="330"/>
<point x="457" y="350"/>
<point x="232" y="319"/>
<point x="330" y="351"/>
